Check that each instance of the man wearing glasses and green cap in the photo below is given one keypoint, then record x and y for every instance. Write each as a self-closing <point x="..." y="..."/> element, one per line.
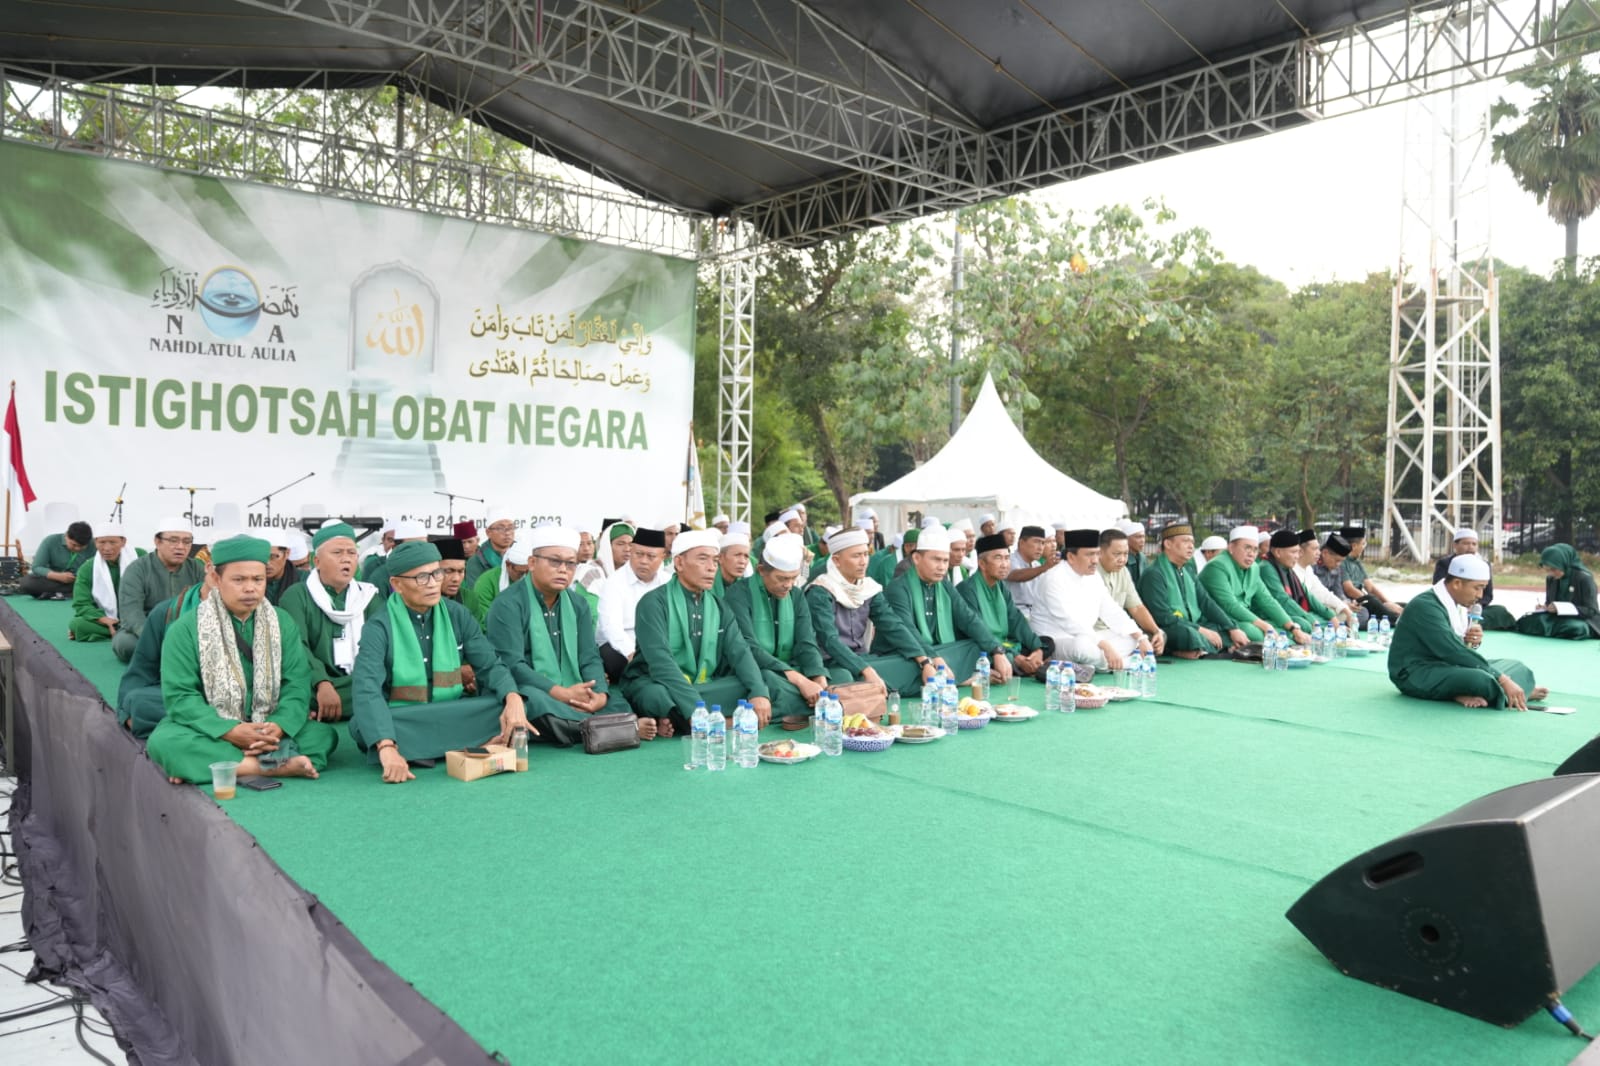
<point x="407" y="688"/>
<point x="164" y="573"/>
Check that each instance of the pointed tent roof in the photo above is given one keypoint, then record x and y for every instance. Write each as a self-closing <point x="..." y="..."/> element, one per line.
<point x="988" y="465"/>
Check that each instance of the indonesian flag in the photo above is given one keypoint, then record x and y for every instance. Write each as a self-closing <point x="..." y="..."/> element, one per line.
<point x="18" y="472"/>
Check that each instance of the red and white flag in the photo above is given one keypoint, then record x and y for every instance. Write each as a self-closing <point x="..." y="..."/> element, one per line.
<point x="18" y="473"/>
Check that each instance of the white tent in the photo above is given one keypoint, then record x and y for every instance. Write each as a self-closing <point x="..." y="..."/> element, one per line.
<point x="989" y="467"/>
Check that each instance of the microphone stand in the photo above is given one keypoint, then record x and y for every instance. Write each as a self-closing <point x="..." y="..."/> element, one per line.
<point x="191" y="490"/>
<point x="116" y="507"/>
<point x="268" y="497"/>
<point x="450" y="507"/>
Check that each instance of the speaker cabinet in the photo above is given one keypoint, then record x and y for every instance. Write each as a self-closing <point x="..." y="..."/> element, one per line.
<point x="1492" y="910"/>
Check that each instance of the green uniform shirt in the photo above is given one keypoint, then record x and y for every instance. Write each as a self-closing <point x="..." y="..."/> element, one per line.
<point x="1240" y="593"/>
<point x="889" y="631"/>
<point x="318" y="631"/>
<point x="183" y="689"/>
<point x="805" y="657"/>
<point x="1018" y="631"/>
<point x="912" y="597"/>
<point x="1424" y="635"/>
<point x="1272" y="580"/>
<point x="84" y="607"/>
<point x="148" y="582"/>
<point x="1164" y="589"/>
<point x="654" y="661"/>
<point x="53" y="554"/>
<point x="511" y="634"/>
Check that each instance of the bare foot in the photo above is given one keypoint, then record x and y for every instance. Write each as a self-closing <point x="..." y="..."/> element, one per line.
<point x="1472" y="701"/>
<point x="1186" y="654"/>
<point x="175" y="781"/>
<point x="664" y="728"/>
<point x="1539" y="693"/>
<point x="299" y="766"/>
<point x="647" y="729"/>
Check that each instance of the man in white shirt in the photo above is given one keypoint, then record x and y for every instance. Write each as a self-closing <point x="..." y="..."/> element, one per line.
<point x="619" y="599"/>
<point x="1071" y="598"/>
<point x="1033" y="557"/>
<point x="1341" y="608"/>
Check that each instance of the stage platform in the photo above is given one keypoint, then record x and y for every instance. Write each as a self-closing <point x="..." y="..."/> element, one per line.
<point x="1104" y="887"/>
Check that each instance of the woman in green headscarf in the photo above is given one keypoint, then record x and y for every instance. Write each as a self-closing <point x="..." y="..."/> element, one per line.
<point x="1567" y="581"/>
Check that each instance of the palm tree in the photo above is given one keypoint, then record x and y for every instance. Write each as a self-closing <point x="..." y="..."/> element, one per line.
<point x="1555" y="152"/>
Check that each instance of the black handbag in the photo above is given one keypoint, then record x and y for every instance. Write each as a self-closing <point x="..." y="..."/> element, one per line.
<point x="604" y="733"/>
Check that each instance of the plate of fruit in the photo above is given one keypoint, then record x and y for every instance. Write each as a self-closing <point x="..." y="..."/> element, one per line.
<point x="787" y="751"/>
<point x="1088" y="697"/>
<point x="863" y="734"/>
<point x="973" y="714"/>
<point x="1014" y="712"/>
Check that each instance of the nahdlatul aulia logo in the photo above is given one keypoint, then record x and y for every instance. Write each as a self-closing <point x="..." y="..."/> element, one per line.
<point x="231" y="307"/>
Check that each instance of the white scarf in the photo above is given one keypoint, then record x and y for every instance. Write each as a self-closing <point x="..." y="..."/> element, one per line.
<point x="1457" y="613"/>
<point x="849" y="595"/>
<point x="105" y="593"/>
<point x="356" y="597"/>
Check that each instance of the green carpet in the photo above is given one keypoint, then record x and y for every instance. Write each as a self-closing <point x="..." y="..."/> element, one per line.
<point x="1105" y="887"/>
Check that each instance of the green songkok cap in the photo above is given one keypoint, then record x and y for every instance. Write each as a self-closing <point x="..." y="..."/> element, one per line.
<point x="620" y="529"/>
<point x="240" y="549"/>
<point x="912" y="535"/>
<point x="411" y="554"/>
<point x="327" y="533"/>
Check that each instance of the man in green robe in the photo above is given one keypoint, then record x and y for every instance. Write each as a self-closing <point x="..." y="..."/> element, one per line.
<point x="543" y="631"/>
<point x="1434" y="654"/>
<point x="1280" y="577"/>
<point x="281" y="577"/>
<point x="140" y="706"/>
<point x="233" y="676"/>
<point x="407" y="690"/>
<point x="369" y="565"/>
<point x="689" y="646"/>
<point x="498" y="535"/>
<point x="1136" y="541"/>
<point x="406" y="531"/>
<point x="733" y="563"/>
<point x="165" y="573"/>
<point x="1235" y="585"/>
<point x="846" y="605"/>
<point x="946" y="627"/>
<point x="513" y="568"/>
<point x="330" y="607"/>
<point x="94" y="590"/>
<point x="56" y="562"/>
<point x="988" y="594"/>
<point x="776" y="623"/>
<point x="1358" y="587"/>
<point x="1569" y="610"/>
<point x="886" y="564"/>
<point x="1180" y="604"/>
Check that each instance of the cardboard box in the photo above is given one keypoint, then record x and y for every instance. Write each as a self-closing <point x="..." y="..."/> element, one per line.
<point x="464" y="766"/>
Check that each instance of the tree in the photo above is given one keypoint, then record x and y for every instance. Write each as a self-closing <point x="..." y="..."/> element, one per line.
<point x="1555" y="152"/>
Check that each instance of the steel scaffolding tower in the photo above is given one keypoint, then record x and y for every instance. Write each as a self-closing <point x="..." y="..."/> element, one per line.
<point x="1442" y="465"/>
<point x="737" y="248"/>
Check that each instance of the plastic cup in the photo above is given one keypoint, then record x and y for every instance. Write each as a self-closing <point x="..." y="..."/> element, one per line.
<point x="688" y="753"/>
<point x="519" y="744"/>
<point x="224" y="779"/>
<point x="1014" y="687"/>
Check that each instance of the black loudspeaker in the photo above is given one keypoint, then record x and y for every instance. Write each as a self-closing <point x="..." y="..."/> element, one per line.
<point x="1586" y="760"/>
<point x="1492" y="910"/>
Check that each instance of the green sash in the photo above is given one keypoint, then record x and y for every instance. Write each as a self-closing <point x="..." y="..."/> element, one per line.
<point x="491" y="557"/>
<point x="781" y="645"/>
<point x="678" y="634"/>
<point x="1181" y="594"/>
<point x="183" y="604"/>
<point x="941" y="609"/>
<point x="409" y="682"/>
<point x="564" y="671"/>
<point x="992" y="606"/>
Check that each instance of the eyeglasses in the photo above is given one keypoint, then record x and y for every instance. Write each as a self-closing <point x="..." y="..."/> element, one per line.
<point x="501" y="527"/>
<point x="559" y="564"/>
<point x="431" y="577"/>
<point x="187" y="542"/>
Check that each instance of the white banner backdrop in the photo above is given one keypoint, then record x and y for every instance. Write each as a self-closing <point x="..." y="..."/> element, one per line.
<point x="171" y="331"/>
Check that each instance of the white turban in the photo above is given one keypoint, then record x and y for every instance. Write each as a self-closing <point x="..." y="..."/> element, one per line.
<point x="299" y="546"/>
<point x="775" y="530"/>
<point x="929" y="521"/>
<point x="719" y="518"/>
<point x="965" y="526"/>
<point x="788" y="516"/>
<point x="866" y="512"/>
<point x="731" y="540"/>
<point x="409" y="529"/>
<point x="739" y="527"/>
<point x="110" y="529"/>
<point x="696" y="538"/>
<point x="1130" y="528"/>
<point x="785" y="552"/>
<point x="983" y="519"/>
<point x="173" y="524"/>
<point x="1466" y="533"/>
<point x="1250" y="533"/>
<point x="934" y="539"/>
<point x="501" y="513"/>
<point x="1213" y="543"/>
<point x="848" y="539"/>
<point x="278" y="537"/>
<point x="552" y="537"/>
<point x="864" y="523"/>
<point x="517" y="554"/>
<point x="828" y="531"/>
<point x="387" y="527"/>
<point x="1469" y="567"/>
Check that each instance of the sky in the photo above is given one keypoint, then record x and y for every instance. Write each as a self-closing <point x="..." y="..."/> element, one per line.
<point x="1317" y="203"/>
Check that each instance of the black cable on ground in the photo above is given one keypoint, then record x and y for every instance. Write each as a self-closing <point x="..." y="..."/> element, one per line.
<point x="77" y="1006"/>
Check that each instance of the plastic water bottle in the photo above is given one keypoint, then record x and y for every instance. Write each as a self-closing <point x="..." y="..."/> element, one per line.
<point x="1372" y="630"/>
<point x="927" y="714"/>
<point x="1269" y="651"/>
<point x="833" y="739"/>
<point x="1067" y="689"/>
<point x="745" y="739"/>
<point x="699" y="728"/>
<point x="1150" y="685"/>
<point x="1280" y="661"/>
<point x="1052" y="686"/>
<point x="949" y="708"/>
<point x="981" y="692"/>
<point x="1383" y="631"/>
<point x="716" y="740"/>
<point x="1339" y="650"/>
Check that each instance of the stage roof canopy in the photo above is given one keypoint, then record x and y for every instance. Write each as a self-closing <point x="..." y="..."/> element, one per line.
<point x="806" y="119"/>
